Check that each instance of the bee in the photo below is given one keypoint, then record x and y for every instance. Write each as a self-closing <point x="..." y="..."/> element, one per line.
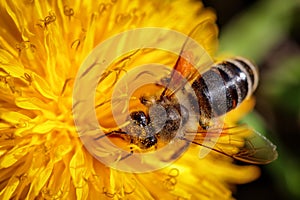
<point x="233" y="79"/>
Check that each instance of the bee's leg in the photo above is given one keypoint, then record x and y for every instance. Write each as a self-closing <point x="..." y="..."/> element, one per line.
<point x="128" y="155"/>
<point x="181" y="149"/>
<point x="156" y="144"/>
<point x="131" y="148"/>
<point x="117" y="132"/>
<point x="204" y="122"/>
<point x="131" y="151"/>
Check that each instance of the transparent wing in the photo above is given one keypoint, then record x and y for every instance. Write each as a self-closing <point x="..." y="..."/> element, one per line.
<point x="239" y="142"/>
<point x="193" y="59"/>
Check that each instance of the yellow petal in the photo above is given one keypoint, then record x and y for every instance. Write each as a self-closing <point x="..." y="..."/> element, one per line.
<point x="12" y="156"/>
<point x="46" y="127"/>
<point x="10" y="189"/>
<point x="39" y="182"/>
<point x="78" y="173"/>
<point x="43" y="87"/>
<point x="18" y="120"/>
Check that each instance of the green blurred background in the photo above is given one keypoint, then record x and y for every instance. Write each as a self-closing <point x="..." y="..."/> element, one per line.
<point x="268" y="32"/>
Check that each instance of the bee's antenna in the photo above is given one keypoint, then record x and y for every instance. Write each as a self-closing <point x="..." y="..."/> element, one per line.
<point x="173" y="71"/>
<point x="110" y="133"/>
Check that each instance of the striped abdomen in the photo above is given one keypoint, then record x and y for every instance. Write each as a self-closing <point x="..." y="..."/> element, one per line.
<point x="225" y="86"/>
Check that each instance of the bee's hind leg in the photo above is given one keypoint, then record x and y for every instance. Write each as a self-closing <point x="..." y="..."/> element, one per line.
<point x="117" y="132"/>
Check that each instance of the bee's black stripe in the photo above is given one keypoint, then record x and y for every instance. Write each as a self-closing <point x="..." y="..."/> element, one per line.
<point x="248" y="69"/>
<point x="231" y="90"/>
<point x="211" y="92"/>
<point x="224" y="87"/>
<point x="203" y="96"/>
<point x="237" y="77"/>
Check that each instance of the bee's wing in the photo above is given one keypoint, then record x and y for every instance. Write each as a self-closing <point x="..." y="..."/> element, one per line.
<point x="194" y="57"/>
<point x="239" y="142"/>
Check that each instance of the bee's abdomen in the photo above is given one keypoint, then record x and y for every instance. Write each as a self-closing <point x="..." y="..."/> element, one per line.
<point x="225" y="86"/>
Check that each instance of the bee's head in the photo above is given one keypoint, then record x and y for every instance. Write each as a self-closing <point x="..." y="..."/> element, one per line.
<point x="139" y="117"/>
<point x="141" y="130"/>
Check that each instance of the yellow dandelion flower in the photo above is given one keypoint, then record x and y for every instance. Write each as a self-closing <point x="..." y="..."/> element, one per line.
<point x="42" y="45"/>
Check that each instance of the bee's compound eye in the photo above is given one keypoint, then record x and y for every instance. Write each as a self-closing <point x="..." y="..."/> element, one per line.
<point x="139" y="117"/>
<point x="149" y="142"/>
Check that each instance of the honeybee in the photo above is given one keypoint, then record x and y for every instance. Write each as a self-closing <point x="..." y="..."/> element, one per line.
<point x="167" y="119"/>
